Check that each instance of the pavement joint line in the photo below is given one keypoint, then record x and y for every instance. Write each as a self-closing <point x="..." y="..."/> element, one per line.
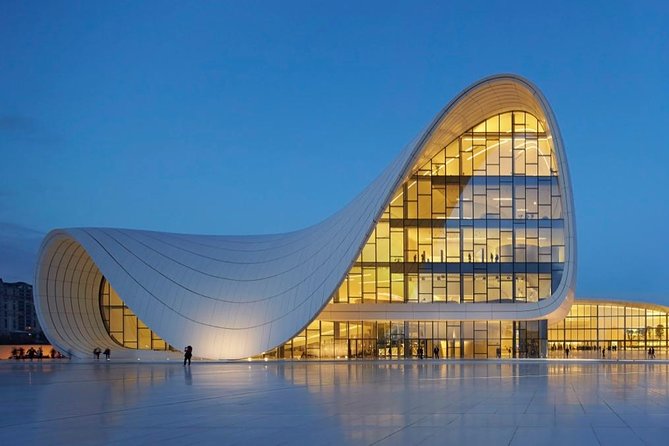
<point x="395" y="432"/>
<point x="594" y="432"/>
<point x="606" y="403"/>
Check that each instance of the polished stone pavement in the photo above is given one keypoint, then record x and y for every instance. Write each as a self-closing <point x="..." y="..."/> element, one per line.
<point x="386" y="403"/>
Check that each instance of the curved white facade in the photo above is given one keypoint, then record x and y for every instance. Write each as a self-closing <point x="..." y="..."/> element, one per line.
<point x="238" y="296"/>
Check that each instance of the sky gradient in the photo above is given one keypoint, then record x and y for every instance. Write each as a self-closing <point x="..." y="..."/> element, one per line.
<point x="252" y="117"/>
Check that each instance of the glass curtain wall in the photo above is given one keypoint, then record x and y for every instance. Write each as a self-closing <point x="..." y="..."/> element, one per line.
<point x="481" y="221"/>
<point x="123" y="326"/>
<point x="411" y="339"/>
<point x="621" y="330"/>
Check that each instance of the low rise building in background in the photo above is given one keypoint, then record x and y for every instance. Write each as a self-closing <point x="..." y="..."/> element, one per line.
<point x="18" y="320"/>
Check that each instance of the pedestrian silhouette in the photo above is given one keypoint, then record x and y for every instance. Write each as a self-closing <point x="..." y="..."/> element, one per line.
<point x="188" y="353"/>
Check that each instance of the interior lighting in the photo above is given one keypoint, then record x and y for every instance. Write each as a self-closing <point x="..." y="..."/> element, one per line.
<point x="484" y="151"/>
<point x="397" y="197"/>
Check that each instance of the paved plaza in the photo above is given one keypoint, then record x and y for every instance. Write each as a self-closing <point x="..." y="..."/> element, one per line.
<point x="405" y="402"/>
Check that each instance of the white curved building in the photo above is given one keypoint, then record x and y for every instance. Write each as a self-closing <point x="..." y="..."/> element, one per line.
<point x="464" y="244"/>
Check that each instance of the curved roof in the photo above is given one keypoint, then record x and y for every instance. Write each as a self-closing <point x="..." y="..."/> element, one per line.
<point x="237" y="296"/>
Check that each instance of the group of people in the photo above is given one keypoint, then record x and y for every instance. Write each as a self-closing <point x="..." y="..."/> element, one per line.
<point x="97" y="351"/>
<point x="32" y="353"/>
<point x="435" y="352"/>
<point x="651" y="353"/>
<point x="188" y="354"/>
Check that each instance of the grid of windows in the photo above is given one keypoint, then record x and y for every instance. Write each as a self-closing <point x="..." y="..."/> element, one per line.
<point x="406" y="339"/>
<point x="123" y="326"/>
<point x="615" y="328"/>
<point x="481" y="221"/>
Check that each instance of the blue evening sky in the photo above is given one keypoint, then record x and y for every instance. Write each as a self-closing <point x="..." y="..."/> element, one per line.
<point x="259" y="117"/>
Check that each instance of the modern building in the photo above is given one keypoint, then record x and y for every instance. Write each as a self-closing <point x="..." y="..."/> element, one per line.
<point x="18" y="320"/>
<point x="464" y="246"/>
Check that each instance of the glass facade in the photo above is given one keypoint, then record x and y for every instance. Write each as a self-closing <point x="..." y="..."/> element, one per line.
<point x="123" y="326"/>
<point x="406" y="339"/>
<point x="481" y="221"/>
<point x="622" y="330"/>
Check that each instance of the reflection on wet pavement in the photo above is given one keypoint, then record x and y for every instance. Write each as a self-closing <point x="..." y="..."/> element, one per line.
<point x="430" y="402"/>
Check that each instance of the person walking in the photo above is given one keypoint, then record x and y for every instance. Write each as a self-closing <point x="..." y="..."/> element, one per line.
<point x="107" y="353"/>
<point x="188" y="354"/>
<point x="436" y="352"/>
<point x="96" y="353"/>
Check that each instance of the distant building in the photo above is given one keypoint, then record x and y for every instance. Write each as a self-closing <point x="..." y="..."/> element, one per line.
<point x="18" y="320"/>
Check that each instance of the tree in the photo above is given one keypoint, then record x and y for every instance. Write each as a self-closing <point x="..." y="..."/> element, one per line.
<point x="659" y="331"/>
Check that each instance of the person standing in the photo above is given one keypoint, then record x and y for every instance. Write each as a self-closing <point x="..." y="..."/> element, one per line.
<point x="188" y="353"/>
<point x="436" y="352"/>
<point x="96" y="352"/>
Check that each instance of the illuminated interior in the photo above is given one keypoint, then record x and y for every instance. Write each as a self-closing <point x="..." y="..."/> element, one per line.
<point x="403" y="339"/>
<point x="123" y="326"/>
<point x="592" y="326"/>
<point x="479" y="222"/>
<point x="621" y="329"/>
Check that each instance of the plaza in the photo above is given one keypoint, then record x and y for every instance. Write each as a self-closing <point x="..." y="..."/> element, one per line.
<point x="327" y="402"/>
